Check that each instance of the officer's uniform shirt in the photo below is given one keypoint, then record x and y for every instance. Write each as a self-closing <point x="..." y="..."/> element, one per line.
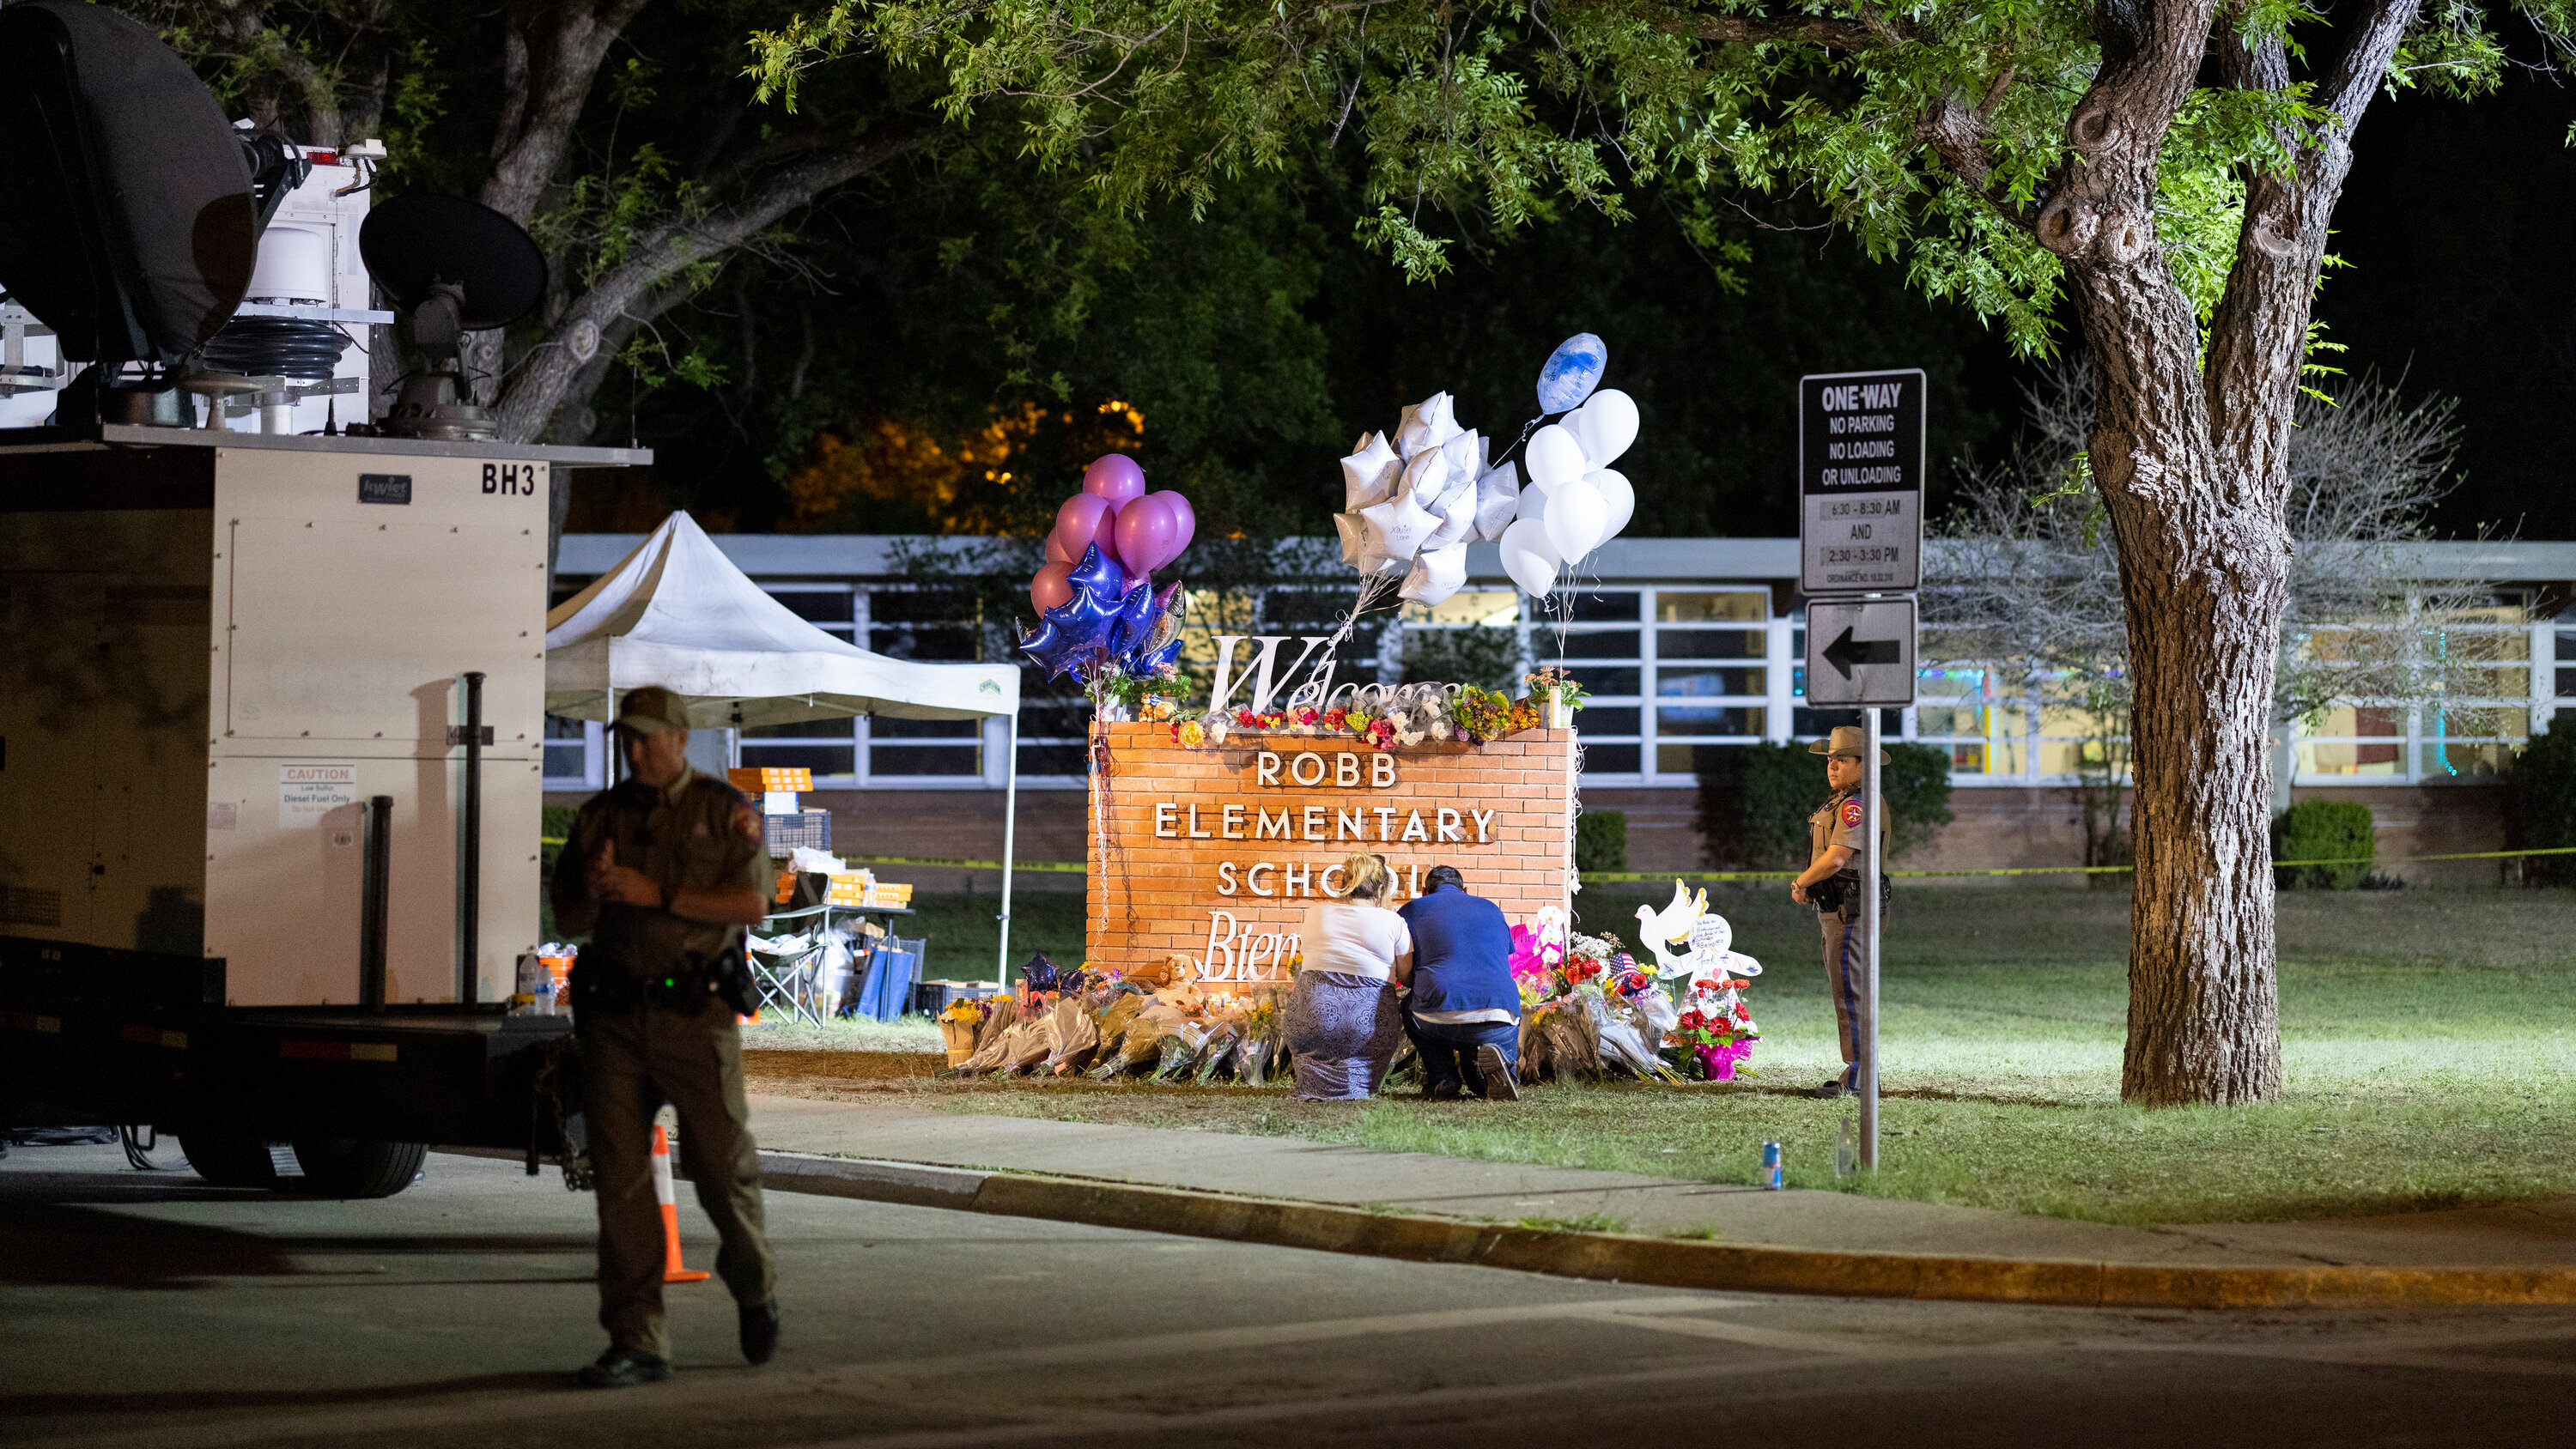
<point x="1840" y="823"/>
<point x="697" y="831"/>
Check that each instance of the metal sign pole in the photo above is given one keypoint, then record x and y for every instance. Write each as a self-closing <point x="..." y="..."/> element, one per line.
<point x="1872" y="867"/>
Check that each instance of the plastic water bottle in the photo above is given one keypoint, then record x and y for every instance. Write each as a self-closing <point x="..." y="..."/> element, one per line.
<point x="1771" y="1167"/>
<point x="1846" y="1158"/>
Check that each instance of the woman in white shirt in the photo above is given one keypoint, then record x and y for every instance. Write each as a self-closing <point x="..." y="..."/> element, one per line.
<point x="1341" y="1022"/>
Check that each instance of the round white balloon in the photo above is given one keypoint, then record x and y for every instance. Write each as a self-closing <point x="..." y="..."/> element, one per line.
<point x="1555" y="456"/>
<point x="1533" y="505"/>
<point x="1576" y="517"/>
<point x="1616" y="492"/>
<point x="1529" y="558"/>
<point x="1605" y="426"/>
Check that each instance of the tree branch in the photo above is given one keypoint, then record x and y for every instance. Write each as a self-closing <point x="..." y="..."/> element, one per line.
<point x="668" y="251"/>
<point x="1816" y="30"/>
<point x="551" y="53"/>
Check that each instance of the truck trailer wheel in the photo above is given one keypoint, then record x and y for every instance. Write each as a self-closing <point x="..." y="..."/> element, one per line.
<point x="229" y="1159"/>
<point x="356" y="1166"/>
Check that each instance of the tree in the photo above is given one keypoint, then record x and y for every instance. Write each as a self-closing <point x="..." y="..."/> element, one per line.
<point x="2025" y="579"/>
<point x="2166" y="168"/>
<point x="633" y="224"/>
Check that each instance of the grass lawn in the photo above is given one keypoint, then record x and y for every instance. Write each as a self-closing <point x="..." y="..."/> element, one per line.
<point x="2429" y="1036"/>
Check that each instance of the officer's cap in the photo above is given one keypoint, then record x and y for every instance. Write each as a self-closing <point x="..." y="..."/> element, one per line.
<point x="651" y="710"/>
<point x="1849" y="741"/>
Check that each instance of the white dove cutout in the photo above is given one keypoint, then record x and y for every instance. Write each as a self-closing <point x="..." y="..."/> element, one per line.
<point x="1686" y="936"/>
<point x="1368" y="474"/>
<point x="1400" y="526"/>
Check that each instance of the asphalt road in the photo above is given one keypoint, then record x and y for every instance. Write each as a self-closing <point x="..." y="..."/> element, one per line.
<point x="150" y="1310"/>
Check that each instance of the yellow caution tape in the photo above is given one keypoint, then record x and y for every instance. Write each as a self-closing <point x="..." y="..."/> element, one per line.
<point x="1078" y="867"/>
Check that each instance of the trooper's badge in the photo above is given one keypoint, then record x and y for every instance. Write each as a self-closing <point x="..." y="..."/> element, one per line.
<point x="746" y="822"/>
<point x="1851" y="812"/>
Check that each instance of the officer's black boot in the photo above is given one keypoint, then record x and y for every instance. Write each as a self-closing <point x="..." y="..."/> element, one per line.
<point x="622" y="1369"/>
<point x="759" y="1331"/>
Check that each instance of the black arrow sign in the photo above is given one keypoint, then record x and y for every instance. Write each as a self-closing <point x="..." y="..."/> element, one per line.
<point x="1843" y="653"/>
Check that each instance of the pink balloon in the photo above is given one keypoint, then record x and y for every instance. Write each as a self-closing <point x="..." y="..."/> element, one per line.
<point x="1189" y="519"/>
<point x="1051" y="588"/>
<point x="1152" y="532"/>
<point x="1085" y="519"/>
<point x="1116" y="477"/>
<point x="1056" y="552"/>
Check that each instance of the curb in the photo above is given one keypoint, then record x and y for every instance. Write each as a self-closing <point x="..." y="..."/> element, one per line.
<point x="1659" y="1262"/>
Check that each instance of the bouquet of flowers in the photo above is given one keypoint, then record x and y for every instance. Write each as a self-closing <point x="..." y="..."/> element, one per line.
<point x="1560" y="681"/>
<point x="1259" y="1047"/>
<point x="1480" y="714"/>
<point x="1715" y="1031"/>
<point x="1219" y="1053"/>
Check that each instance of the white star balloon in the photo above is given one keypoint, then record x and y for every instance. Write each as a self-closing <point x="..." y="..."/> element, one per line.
<point x="1354" y="531"/>
<point x="1369" y="473"/>
<point x="1498" y="498"/>
<point x="1436" y="575"/>
<point x="1401" y="525"/>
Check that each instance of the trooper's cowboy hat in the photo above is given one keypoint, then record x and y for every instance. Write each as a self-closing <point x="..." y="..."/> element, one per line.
<point x="651" y="710"/>
<point x="1848" y="740"/>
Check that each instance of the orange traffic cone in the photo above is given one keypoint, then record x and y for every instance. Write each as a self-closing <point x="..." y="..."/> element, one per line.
<point x="664" y="1193"/>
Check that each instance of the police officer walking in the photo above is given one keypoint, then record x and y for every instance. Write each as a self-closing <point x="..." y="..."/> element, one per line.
<point x="1831" y="883"/>
<point x="664" y="871"/>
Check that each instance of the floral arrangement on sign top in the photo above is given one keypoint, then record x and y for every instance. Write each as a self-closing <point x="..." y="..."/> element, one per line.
<point x="1457" y="712"/>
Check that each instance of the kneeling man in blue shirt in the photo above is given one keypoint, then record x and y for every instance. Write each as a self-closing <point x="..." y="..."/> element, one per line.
<point x="1465" y="1015"/>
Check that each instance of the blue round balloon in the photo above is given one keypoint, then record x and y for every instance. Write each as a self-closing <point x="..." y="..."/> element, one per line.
<point x="1573" y="370"/>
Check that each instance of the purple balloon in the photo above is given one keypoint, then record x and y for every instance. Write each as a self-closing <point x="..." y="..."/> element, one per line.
<point x="1116" y="477"/>
<point x="1085" y="519"/>
<point x="1189" y="519"/>
<point x="1152" y="531"/>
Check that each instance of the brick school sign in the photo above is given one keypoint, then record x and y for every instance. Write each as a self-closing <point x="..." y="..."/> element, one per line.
<point x="1215" y="853"/>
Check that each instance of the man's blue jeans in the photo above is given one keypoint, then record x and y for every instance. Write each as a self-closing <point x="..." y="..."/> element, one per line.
<point x="1448" y="1051"/>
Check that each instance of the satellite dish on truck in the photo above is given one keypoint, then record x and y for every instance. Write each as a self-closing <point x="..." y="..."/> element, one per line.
<point x="128" y="216"/>
<point x="457" y="266"/>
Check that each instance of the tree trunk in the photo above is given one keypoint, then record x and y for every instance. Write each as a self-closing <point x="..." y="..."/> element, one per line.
<point x="2190" y="453"/>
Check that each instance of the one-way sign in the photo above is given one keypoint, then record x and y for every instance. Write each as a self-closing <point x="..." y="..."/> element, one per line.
<point x="1860" y="482"/>
<point x="1860" y="653"/>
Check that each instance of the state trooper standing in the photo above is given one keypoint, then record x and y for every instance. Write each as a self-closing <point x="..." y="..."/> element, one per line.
<point x="664" y="871"/>
<point x="1832" y="884"/>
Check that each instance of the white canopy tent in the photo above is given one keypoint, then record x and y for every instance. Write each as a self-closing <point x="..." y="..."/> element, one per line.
<point x="677" y="613"/>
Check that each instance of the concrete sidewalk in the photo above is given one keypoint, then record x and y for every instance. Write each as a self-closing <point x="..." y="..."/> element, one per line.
<point x="2537" y="1236"/>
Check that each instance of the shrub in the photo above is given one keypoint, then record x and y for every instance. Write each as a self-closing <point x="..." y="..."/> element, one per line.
<point x="2323" y="830"/>
<point x="1600" y="841"/>
<point x="1753" y="806"/>
<point x="2544" y="805"/>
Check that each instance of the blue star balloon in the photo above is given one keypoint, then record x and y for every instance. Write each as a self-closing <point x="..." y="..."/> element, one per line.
<point x="1076" y="632"/>
<point x="1099" y="576"/>
<point x="1572" y="371"/>
<point x="1136" y="615"/>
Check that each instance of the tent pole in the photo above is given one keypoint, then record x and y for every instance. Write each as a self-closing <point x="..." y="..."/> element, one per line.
<point x="1010" y="842"/>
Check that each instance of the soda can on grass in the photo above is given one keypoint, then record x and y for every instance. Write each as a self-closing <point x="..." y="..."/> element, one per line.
<point x="1771" y="1166"/>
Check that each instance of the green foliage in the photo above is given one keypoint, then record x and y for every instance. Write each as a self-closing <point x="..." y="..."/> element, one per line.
<point x="1753" y="807"/>
<point x="1601" y="841"/>
<point x="2323" y="830"/>
<point x="2544" y="805"/>
<point x="1916" y="782"/>
<point x="1500" y="115"/>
